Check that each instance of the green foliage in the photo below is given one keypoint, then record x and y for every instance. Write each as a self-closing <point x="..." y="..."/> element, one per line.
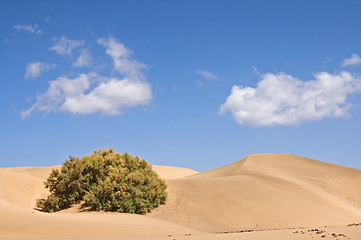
<point x="105" y="181"/>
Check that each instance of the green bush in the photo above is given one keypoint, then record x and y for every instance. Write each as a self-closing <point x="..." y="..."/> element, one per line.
<point x="105" y="181"/>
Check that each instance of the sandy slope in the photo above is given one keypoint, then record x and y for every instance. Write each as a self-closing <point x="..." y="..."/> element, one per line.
<point x="20" y="187"/>
<point x="265" y="191"/>
<point x="172" y="172"/>
<point x="260" y="192"/>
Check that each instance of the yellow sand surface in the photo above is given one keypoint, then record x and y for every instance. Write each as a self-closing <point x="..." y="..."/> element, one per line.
<point x="263" y="196"/>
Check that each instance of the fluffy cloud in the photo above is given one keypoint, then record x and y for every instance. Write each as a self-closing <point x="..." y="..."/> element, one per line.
<point x="109" y="97"/>
<point x="207" y="75"/>
<point x="280" y="99"/>
<point x="121" y="56"/>
<point x="31" y="29"/>
<point x="92" y="93"/>
<point x="353" y="60"/>
<point x="35" y="69"/>
<point x="65" y="46"/>
<point x="84" y="59"/>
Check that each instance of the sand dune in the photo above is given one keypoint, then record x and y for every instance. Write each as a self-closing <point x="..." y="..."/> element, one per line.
<point x="259" y="192"/>
<point x="20" y="187"/>
<point x="265" y="191"/>
<point x="173" y="172"/>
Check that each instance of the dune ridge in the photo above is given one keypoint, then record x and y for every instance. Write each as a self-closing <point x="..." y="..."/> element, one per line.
<point x="265" y="191"/>
<point x="259" y="192"/>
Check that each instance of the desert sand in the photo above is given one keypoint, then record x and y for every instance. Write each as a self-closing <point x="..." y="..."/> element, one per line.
<point x="263" y="196"/>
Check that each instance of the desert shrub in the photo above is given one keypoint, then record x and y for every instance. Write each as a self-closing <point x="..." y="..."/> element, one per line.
<point x="107" y="181"/>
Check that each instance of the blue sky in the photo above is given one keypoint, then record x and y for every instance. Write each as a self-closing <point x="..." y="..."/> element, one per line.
<point x="197" y="84"/>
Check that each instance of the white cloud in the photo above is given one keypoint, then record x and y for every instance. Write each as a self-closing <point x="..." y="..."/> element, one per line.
<point x="110" y="97"/>
<point x="35" y="69"/>
<point x="92" y="93"/>
<point x="65" y="46"/>
<point x="26" y="113"/>
<point x="353" y="60"/>
<point x="30" y="28"/>
<point x="122" y="58"/>
<point x="63" y="88"/>
<point x="280" y="99"/>
<point x="207" y="75"/>
<point x="84" y="59"/>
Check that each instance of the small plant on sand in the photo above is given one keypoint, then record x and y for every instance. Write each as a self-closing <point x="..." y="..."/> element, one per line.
<point x="106" y="181"/>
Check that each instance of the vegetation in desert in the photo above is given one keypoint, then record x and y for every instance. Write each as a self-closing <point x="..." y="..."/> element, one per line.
<point x="105" y="180"/>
